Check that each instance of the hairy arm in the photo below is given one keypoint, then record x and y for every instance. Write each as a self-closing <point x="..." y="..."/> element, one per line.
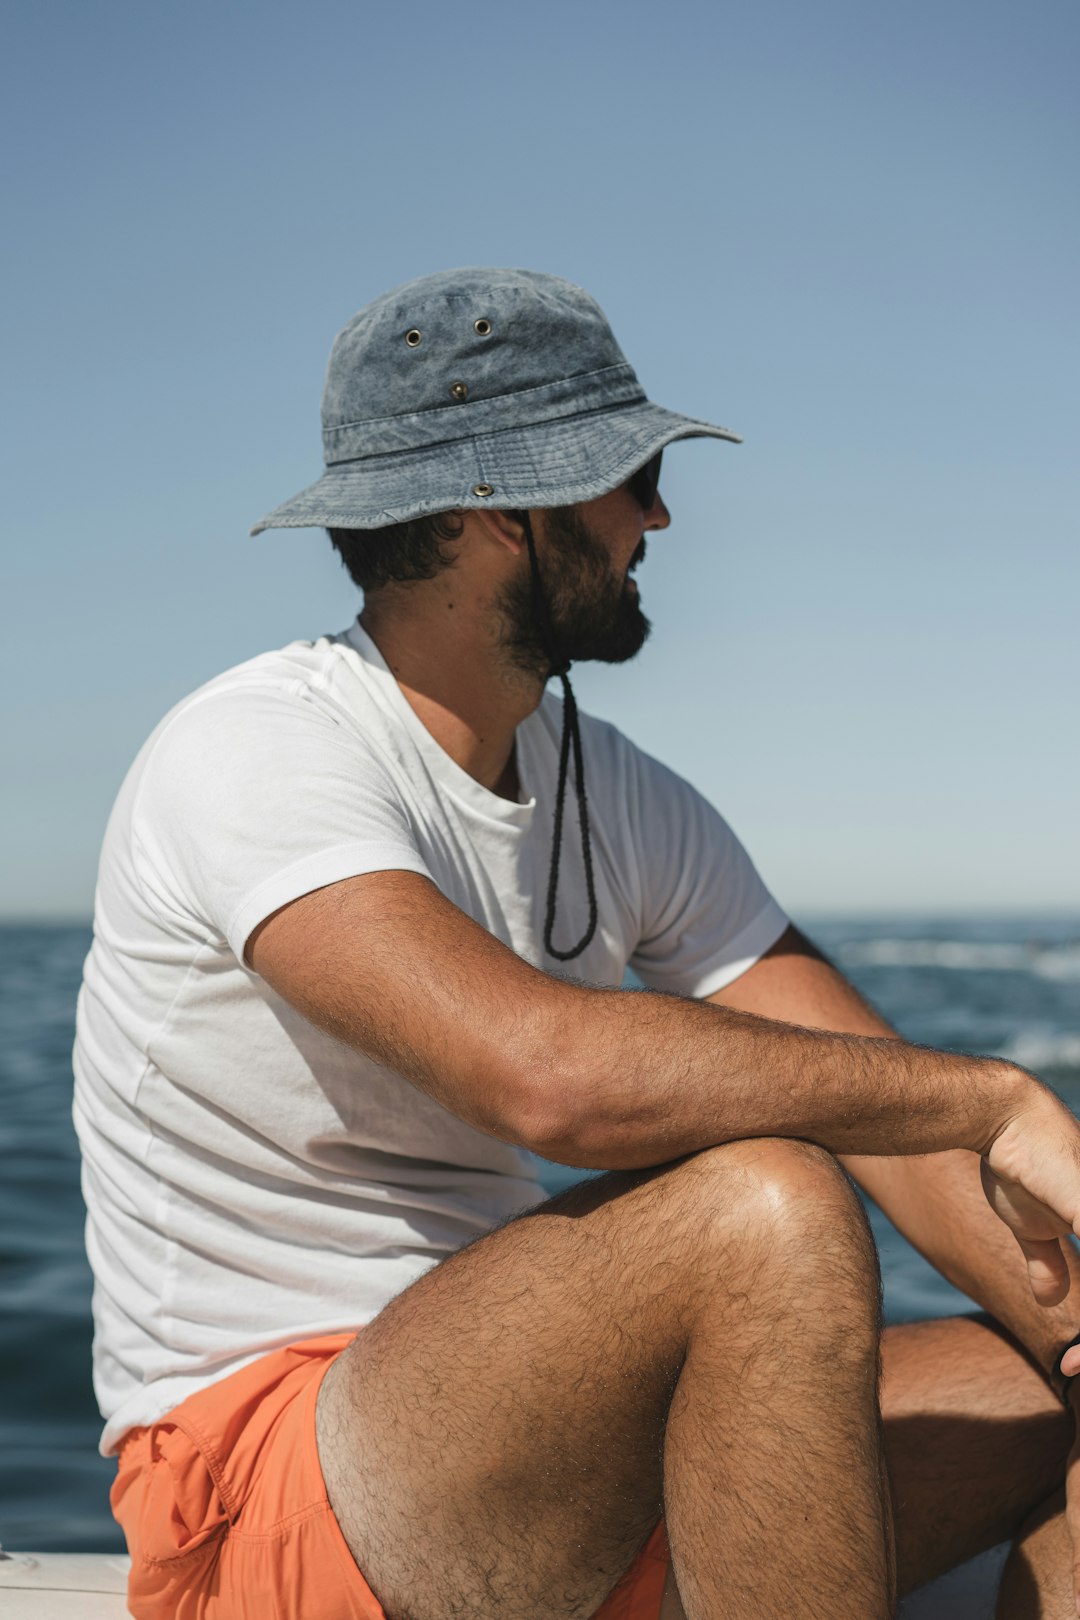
<point x="611" y="1080"/>
<point x="936" y="1201"/>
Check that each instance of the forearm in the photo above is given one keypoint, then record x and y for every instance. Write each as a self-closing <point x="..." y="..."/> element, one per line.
<point x="601" y="1077"/>
<point x="645" y="1078"/>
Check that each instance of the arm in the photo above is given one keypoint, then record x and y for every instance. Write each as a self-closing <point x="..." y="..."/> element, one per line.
<point x="601" y="1078"/>
<point x="937" y="1202"/>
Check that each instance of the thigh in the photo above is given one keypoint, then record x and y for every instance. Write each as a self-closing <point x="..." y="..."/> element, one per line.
<point x="974" y="1440"/>
<point x="492" y="1443"/>
<point x="496" y="1431"/>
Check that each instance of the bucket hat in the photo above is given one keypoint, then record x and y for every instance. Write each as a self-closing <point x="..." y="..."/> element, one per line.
<point x="474" y="388"/>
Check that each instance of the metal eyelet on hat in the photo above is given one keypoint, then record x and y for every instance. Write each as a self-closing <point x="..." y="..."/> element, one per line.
<point x="483" y="489"/>
<point x="459" y="391"/>
<point x="482" y="327"/>
<point x="412" y="337"/>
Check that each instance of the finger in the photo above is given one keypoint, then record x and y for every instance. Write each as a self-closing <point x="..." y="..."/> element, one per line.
<point x="1048" y="1273"/>
<point x="1070" y="1362"/>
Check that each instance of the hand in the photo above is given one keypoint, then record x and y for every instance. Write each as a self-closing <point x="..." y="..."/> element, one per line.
<point x="1031" y="1176"/>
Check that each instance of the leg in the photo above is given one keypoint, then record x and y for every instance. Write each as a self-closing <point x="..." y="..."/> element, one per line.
<point x="974" y="1440"/>
<point x="1038" y="1579"/>
<point x="500" y="1440"/>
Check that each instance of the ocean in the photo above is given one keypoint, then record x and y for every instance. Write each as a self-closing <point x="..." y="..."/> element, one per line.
<point x="1009" y="986"/>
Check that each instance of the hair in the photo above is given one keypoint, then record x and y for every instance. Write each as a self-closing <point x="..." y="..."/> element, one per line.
<point x="400" y="553"/>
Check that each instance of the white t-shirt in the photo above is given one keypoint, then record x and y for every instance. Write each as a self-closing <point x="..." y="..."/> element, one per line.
<point x="251" y="1181"/>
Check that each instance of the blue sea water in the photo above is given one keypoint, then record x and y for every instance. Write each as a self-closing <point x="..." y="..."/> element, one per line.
<point x="1010" y="986"/>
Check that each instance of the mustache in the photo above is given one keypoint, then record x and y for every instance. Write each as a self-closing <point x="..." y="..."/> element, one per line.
<point x="639" y="555"/>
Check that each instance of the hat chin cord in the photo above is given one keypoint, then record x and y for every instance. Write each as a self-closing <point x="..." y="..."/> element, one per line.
<point x="571" y="739"/>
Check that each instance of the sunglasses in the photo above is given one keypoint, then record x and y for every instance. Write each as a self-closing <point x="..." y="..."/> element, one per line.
<point x="644" y="484"/>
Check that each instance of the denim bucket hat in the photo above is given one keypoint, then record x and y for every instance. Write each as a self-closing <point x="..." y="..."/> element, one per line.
<point x="473" y="388"/>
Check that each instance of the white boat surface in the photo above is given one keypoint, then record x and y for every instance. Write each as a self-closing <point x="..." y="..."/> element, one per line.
<point x="91" y="1586"/>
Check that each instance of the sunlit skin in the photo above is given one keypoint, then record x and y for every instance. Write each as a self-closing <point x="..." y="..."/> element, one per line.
<point x="974" y="1439"/>
<point x="441" y="637"/>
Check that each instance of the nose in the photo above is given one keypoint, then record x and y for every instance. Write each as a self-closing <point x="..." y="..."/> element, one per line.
<point x="658" y="516"/>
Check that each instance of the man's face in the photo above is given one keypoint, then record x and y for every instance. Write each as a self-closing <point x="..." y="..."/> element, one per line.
<point x="586" y="555"/>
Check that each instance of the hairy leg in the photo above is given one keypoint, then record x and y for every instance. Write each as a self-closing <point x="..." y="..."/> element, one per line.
<point x="1038" y="1579"/>
<point x="974" y="1438"/>
<point x="500" y="1440"/>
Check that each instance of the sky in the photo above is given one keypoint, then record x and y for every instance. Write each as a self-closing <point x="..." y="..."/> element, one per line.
<point x="849" y="231"/>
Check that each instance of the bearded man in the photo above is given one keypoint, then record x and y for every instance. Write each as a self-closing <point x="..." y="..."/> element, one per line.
<point x="365" y="910"/>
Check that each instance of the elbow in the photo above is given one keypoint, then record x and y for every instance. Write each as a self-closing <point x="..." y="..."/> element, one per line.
<point x="545" y="1114"/>
<point x="543" y="1118"/>
<point x="557" y="1118"/>
<point x="563" y="1105"/>
<point x="555" y="1138"/>
<point x="584" y="1142"/>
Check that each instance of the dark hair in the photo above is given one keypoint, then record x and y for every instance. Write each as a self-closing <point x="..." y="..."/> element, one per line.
<point x="399" y="553"/>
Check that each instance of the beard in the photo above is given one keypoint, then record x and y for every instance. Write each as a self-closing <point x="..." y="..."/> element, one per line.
<point x="592" y="612"/>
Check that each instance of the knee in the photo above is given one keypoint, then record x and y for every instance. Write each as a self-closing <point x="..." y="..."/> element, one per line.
<point x="779" y="1200"/>
<point x="792" y="1183"/>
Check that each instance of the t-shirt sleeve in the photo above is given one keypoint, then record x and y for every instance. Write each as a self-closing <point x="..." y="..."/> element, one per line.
<point x="706" y="915"/>
<point x="250" y="798"/>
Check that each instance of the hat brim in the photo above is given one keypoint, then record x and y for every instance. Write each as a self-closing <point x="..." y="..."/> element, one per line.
<point x="554" y="463"/>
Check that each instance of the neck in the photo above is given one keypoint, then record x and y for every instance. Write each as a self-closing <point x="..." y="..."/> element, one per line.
<point x="443" y="651"/>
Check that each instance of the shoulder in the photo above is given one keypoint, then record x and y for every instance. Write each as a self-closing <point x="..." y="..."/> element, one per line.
<point x="304" y="675"/>
<point x="295" y="717"/>
<point x="602" y="738"/>
<point x="612" y="758"/>
<point x="300" y="670"/>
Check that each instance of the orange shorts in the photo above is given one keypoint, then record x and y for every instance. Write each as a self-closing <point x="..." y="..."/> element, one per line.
<point x="226" y="1514"/>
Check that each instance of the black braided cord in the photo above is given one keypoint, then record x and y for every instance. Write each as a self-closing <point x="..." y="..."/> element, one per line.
<point x="1059" y="1379"/>
<point x="571" y="739"/>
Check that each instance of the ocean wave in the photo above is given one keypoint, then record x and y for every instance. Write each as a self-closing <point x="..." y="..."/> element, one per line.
<point x="1058" y="962"/>
<point x="1036" y="1050"/>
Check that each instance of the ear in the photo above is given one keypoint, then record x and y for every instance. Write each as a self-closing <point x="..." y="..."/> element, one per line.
<point x="502" y="527"/>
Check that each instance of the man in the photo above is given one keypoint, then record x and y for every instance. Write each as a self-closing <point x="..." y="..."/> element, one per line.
<point x="354" y="954"/>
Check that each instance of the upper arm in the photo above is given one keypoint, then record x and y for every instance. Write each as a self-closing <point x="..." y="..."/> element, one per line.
<point x="271" y="825"/>
<point x="251" y="795"/>
<point x="704" y="913"/>
<point x="387" y="964"/>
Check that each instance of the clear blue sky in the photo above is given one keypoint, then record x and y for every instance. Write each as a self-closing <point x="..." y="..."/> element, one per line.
<point x="849" y="231"/>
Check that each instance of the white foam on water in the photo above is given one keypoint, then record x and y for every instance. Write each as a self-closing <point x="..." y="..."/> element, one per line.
<point x="1037" y="1049"/>
<point x="1063" y="963"/>
<point x="1058" y="962"/>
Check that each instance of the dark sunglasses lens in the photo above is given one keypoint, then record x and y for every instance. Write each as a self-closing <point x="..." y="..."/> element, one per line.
<point x="646" y="481"/>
